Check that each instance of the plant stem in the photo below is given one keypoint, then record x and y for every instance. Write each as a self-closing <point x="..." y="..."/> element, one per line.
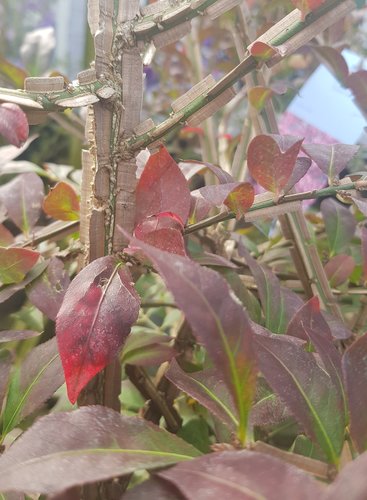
<point x="307" y="195"/>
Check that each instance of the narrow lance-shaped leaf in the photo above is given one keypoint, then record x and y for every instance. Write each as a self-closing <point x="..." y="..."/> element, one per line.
<point x="14" y="335"/>
<point x="241" y="475"/>
<point x="217" y="320"/>
<point x="62" y="202"/>
<point x="312" y="325"/>
<point x="355" y="375"/>
<point x="15" y="264"/>
<point x="162" y="187"/>
<point x="269" y="164"/>
<point x="306" y="389"/>
<point x="90" y="444"/>
<point x="32" y="383"/>
<point x="340" y="224"/>
<point x="331" y="158"/>
<point x="207" y="388"/>
<point x="146" y="349"/>
<point x="153" y="488"/>
<point x="94" y="320"/>
<point x="333" y="59"/>
<point x="279" y="305"/>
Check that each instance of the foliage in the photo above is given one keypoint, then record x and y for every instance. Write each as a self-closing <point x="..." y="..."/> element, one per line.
<point x="244" y="363"/>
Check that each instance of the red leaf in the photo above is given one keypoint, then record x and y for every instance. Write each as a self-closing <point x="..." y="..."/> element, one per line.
<point x="306" y="6"/>
<point x="240" y="199"/>
<point x="15" y="264"/>
<point x="162" y="187"/>
<point x="13" y="124"/>
<point x="339" y="268"/>
<point x="270" y="166"/>
<point x="94" y="320"/>
<point x="262" y="51"/>
<point x="62" y="202"/>
<point x="163" y="231"/>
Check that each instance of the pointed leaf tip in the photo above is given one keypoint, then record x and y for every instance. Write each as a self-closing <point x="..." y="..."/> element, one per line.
<point x="94" y="320"/>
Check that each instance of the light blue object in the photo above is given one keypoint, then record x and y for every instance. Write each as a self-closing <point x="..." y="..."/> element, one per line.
<point x="325" y="104"/>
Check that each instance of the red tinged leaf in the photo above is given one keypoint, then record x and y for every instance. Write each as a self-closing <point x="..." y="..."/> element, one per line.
<point x="237" y="196"/>
<point x="240" y="199"/>
<point x="6" y="238"/>
<point x="162" y="187"/>
<point x="153" y="488"/>
<point x="15" y="264"/>
<point x="217" y="320"/>
<point x="311" y="325"/>
<point x="62" y="202"/>
<point x="306" y="389"/>
<point x="13" y="335"/>
<point x="351" y="482"/>
<point x="301" y="168"/>
<point x="10" y="290"/>
<point x="13" y="124"/>
<point x="340" y="224"/>
<point x="32" y="382"/>
<point x="269" y="165"/>
<point x="262" y="51"/>
<point x="162" y="231"/>
<point x="364" y="251"/>
<point x="22" y="197"/>
<point x="90" y="444"/>
<point x="241" y="475"/>
<point x="333" y="59"/>
<point x="357" y="82"/>
<point x="339" y="268"/>
<point x="355" y="374"/>
<point x="47" y="292"/>
<point x="94" y="320"/>
<point x="306" y="6"/>
<point x="331" y="158"/>
<point x="208" y="389"/>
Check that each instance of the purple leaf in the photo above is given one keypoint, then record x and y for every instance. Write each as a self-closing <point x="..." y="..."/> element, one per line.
<point x="339" y="268"/>
<point x="364" y="251"/>
<point x="217" y="320"/>
<point x="90" y="444"/>
<point x="95" y="318"/>
<point x="279" y="304"/>
<point x="208" y="389"/>
<point x="300" y="169"/>
<point x="47" y="292"/>
<point x="147" y="349"/>
<point x="306" y="389"/>
<point x="32" y="383"/>
<point x="355" y="375"/>
<point x="333" y="60"/>
<point x="13" y="124"/>
<point x="11" y="335"/>
<point x="192" y="167"/>
<point x="240" y="475"/>
<point x="351" y="481"/>
<point x="5" y="365"/>
<point x="154" y="488"/>
<point x="330" y="158"/>
<point x="22" y="198"/>
<point x="340" y="224"/>
<point x="8" y="291"/>
<point x="312" y="325"/>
